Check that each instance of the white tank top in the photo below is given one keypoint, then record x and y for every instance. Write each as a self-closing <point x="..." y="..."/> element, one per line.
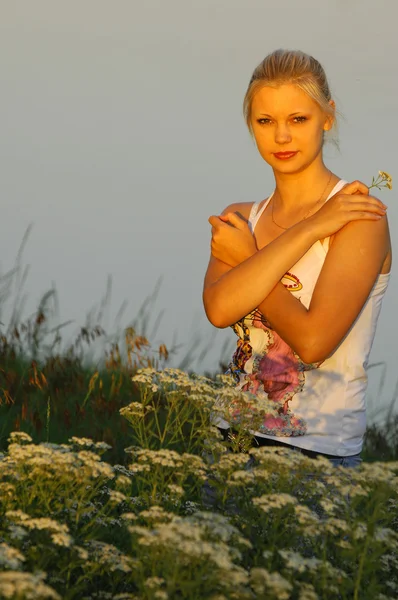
<point x="319" y="406"/>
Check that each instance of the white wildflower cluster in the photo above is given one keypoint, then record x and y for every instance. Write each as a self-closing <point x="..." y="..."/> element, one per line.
<point x="59" y="532"/>
<point x="330" y="507"/>
<point x="226" y="380"/>
<point x="154" y="583"/>
<point x="16" y="584"/>
<point x="49" y="462"/>
<point x="136" y="410"/>
<point x="294" y="561"/>
<point x="270" y="585"/>
<point x="270" y="502"/>
<point x="89" y="444"/>
<point x="196" y="387"/>
<point x="107" y="555"/>
<point x="219" y="397"/>
<point x="228" y="464"/>
<point x="307" y="519"/>
<point x="145" y="376"/>
<point x="389" y="561"/>
<point x="96" y="467"/>
<point x="242" y="478"/>
<point x="218" y="527"/>
<point x="123" y="482"/>
<point x="116" y="497"/>
<point x="383" y="180"/>
<point x="17" y="532"/>
<point x="203" y="536"/>
<point x="242" y="408"/>
<point x="307" y="592"/>
<point x="10" y="557"/>
<point x="122" y="470"/>
<point x="351" y="490"/>
<point x="175" y="490"/>
<point x="183" y="464"/>
<point x="129" y="516"/>
<point x="281" y="459"/>
<point x="19" y="437"/>
<point x="81" y="553"/>
<point x="386" y="536"/>
<point x="335" y="526"/>
<point x="360" y="531"/>
<point x="372" y="473"/>
<point x="156" y="514"/>
<point x="7" y="490"/>
<point x="139" y="468"/>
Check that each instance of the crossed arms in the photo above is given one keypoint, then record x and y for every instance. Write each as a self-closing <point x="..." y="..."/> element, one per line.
<point x="351" y="267"/>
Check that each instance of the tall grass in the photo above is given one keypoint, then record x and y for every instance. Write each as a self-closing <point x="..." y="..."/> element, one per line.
<point x="51" y="388"/>
<point x="114" y="485"/>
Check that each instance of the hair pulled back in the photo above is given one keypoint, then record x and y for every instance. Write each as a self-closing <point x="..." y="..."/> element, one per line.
<point x="290" y="67"/>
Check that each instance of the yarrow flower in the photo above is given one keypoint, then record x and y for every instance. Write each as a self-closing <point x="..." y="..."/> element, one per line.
<point x="383" y="180"/>
<point x="19" y="437"/>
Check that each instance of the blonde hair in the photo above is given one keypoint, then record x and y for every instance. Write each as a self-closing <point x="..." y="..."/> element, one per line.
<point x="291" y="66"/>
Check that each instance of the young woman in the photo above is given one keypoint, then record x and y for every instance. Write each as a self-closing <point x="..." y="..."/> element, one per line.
<point x="301" y="275"/>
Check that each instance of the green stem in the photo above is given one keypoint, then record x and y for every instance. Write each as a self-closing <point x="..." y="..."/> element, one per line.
<point x="360" y="569"/>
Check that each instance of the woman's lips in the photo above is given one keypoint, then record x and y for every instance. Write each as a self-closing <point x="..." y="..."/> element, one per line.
<point x="285" y="155"/>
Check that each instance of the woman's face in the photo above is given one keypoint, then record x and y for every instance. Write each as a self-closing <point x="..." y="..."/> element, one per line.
<point x="286" y="119"/>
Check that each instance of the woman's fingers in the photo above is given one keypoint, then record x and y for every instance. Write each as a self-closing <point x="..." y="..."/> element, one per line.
<point x="355" y="187"/>
<point x="229" y="219"/>
<point x="372" y="206"/>
<point x="214" y="221"/>
<point x="234" y="219"/>
<point x="368" y="202"/>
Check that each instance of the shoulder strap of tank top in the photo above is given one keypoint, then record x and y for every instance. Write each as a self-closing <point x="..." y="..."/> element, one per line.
<point x="255" y="215"/>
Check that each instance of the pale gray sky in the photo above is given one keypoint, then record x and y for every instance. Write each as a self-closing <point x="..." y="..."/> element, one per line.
<point x="122" y="132"/>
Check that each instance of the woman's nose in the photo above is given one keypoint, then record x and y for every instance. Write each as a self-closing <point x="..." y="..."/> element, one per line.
<point x="282" y="134"/>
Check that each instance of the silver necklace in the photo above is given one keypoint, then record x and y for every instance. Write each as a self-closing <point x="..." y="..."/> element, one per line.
<point x="312" y="208"/>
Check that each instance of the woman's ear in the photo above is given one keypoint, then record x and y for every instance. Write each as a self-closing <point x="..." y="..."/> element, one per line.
<point x="330" y="119"/>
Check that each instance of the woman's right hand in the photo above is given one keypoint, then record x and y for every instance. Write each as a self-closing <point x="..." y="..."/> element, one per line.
<point x="350" y="203"/>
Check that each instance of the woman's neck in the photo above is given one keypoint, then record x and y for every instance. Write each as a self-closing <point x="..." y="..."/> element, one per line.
<point x="298" y="191"/>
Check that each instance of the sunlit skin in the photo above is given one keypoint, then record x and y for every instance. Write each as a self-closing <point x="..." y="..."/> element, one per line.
<point x="286" y="119"/>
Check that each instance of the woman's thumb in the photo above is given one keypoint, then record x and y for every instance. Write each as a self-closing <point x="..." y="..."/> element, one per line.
<point x="234" y="219"/>
<point x="355" y="187"/>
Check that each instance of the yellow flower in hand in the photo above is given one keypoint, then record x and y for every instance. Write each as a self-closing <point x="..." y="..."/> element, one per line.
<point x="383" y="180"/>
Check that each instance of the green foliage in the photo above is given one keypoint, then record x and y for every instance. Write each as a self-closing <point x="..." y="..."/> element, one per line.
<point x="270" y="524"/>
<point x="174" y="511"/>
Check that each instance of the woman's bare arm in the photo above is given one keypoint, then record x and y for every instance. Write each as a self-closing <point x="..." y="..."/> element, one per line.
<point x="230" y="294"/>
<point x="351" y="266"/>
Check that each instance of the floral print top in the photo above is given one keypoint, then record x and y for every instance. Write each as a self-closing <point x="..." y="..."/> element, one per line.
<point x="277" y="372"/>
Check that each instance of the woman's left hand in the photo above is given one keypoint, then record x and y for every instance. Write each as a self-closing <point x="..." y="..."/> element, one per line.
<point x="232" y="241"/>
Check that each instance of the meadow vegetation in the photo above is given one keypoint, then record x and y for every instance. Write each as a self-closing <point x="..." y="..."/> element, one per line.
<point x="114" y="484"/>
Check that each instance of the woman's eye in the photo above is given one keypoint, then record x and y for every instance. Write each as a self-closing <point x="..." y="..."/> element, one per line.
<point x="267" y="121"/>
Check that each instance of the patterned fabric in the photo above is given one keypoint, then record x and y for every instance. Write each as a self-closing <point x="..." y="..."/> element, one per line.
<point x="277" y="373"/>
